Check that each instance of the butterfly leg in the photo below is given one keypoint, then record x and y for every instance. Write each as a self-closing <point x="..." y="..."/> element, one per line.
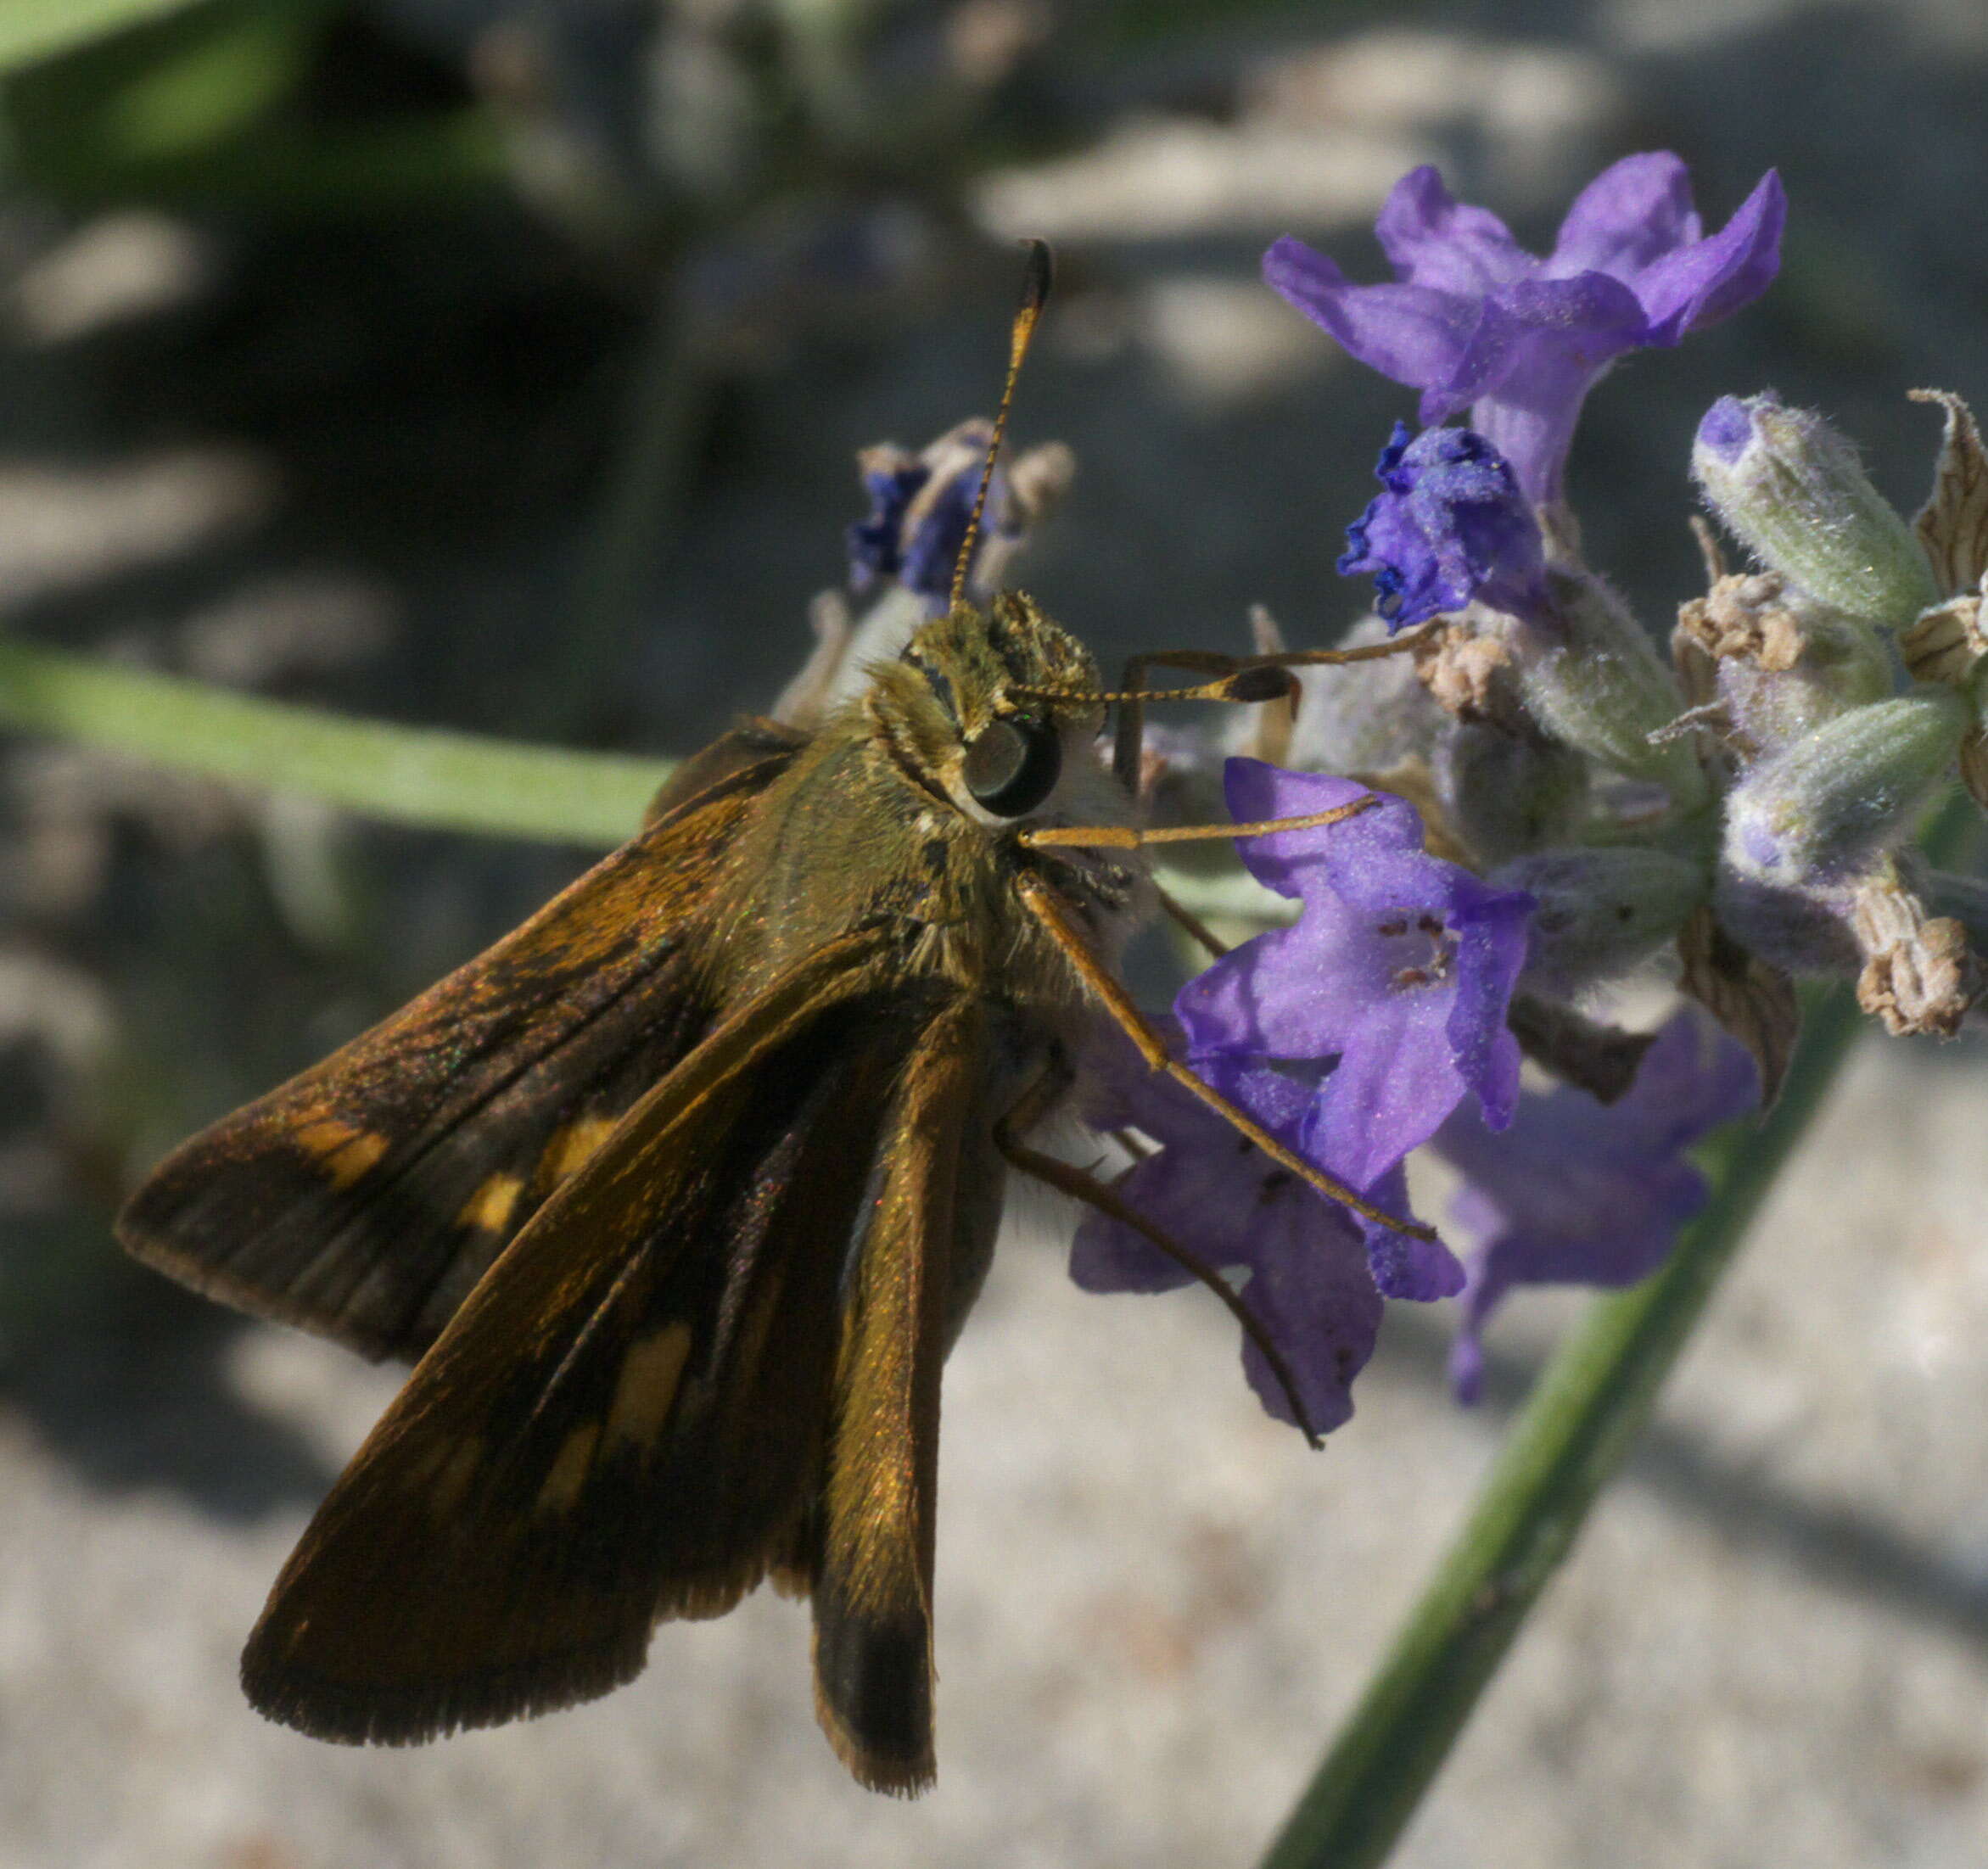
<point x="1239" y="678"/>
<point x="1047" y="907"/>
<point x="1081" y="1185"/>
<point x="1236" y="679"/>
<point x="1132" y="837"/>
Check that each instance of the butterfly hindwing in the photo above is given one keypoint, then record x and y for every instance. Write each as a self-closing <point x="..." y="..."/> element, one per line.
<point x="921" y="1250"/>
<point x="627" y="1419"/>
<point x="365" y="1198"/>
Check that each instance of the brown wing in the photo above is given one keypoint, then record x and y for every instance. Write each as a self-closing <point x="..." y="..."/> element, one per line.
<point x="869" y="1544"/>
<point x="627" y="1418"/>
<point x="365" y="1197"/>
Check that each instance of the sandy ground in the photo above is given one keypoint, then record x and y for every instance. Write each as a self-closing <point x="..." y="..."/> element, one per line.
<point x="1770" y="1646"/>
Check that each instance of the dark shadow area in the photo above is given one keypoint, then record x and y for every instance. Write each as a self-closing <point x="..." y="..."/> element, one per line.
<point x="133" y="1397"/>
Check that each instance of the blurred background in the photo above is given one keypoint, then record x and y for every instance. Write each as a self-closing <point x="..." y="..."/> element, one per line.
<point x="499" y="364"/>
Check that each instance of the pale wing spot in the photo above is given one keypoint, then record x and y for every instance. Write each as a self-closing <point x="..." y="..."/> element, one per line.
<point x="453" y="1477"/>
<point x="570" y="1470"/>
<point x="491" y="1207"/>
<point x="571" y="1147"/>
<point x="343" y="1152"/>
<point x="648" y="1386"/>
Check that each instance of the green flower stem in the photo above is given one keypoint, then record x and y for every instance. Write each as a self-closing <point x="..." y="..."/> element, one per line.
<point x="1574" y="1434"/>
<point x="454" y="781"/>
<point x="638" y="520"/>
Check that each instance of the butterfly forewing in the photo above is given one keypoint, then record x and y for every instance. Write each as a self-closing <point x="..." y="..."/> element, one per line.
<point x="628" y="1418"/>
<point x="365" y="1198"/>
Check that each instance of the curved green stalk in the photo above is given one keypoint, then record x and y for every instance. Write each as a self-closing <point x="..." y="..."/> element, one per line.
<point x="453" y="781"/>
<point x="1572" y="1437"/>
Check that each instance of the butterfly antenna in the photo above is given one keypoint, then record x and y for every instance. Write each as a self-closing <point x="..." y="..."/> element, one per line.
<point x="1035" y="291"/>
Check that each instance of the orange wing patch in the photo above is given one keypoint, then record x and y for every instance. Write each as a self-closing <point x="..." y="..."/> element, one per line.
<point x="563" y="1484"/>
<point x="573" y="1146"/>
<point x="344" y="1152"/>
<point x="647" y="1385"/>
<point x="491" y="1208"/>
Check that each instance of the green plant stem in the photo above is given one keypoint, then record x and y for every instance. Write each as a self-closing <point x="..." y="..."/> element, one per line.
<point x="452" y="781"/>
<point x="1570" y="1440"/>
<point x="1574" y="1434"/>
<point x="32" y="30"/>
<point x="646" y="483"/>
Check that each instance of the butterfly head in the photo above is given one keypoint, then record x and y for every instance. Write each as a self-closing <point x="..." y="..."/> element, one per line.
<point x="994" y="708"/>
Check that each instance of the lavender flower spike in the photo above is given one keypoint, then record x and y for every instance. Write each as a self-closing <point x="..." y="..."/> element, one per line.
<point x="1389" y="994"/>
<point x="1475" y="320"/>
<point x="1576" y="1192"/>
<point x="1452" y="525"/>
<point x="920" y="505"/>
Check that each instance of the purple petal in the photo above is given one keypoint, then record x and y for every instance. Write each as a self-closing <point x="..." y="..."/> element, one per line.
<point x="875" y="544"/>
<point x="1396" y="1083"/>
<point x="1308" y="1287"/>
<point x="1698" y="285"/>
<point x="1257" y="791"/>
<point x="1451" y="524"/>
<point x="1433" y="240"/>
<point x="1411" y="333"/>
<point x="1590" y="318"/>
<point x="1206" y="1186"/>
<point x="1532" y="359"/>
<point x="1632" y="214"/>
<point x="1491" y="954"/>
<point x="1404" y="1266"/>
<point x="1111" y="1258"/>
<point x="1492" y="345"/>
<point x="1576" y="1192"/>
<point x="1312" y="1291"/>
<point x="1401" y="967"/>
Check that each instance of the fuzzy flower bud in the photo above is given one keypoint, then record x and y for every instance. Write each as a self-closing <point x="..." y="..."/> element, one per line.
<point x="1814" y="812"/>
<point x="1601" y="911"/>
<point x="1788" y="485"/>
<point x="1366" y="716"/>
<point x="1785" y="662"/>
<point x="1593" y="680"/>
<point x="1505" y="793"/>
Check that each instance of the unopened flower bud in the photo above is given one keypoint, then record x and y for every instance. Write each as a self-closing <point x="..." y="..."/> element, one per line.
<point x="1798" y="929"/>
<point x="1601" y="911"/>
<point x="1791" y="487"/>
<point x="1783" y="663"/>
<point x="1816" y="809"/>
<point x="1364" y="717"/>
<point x="1508" y="794"/>
<point x="1594" y="680"/>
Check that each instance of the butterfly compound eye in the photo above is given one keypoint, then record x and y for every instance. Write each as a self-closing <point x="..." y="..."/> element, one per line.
<point x="1012" y="766"/>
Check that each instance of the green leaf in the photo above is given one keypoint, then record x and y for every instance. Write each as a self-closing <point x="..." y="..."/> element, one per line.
<point x="38" y="29"/>
<point x="203" y="105"/>
<point x="455" y="782"/>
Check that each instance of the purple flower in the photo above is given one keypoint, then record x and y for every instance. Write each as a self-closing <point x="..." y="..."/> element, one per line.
<point x="1474" y="319"/>
<point x="1453" y="525"/>
<point x="920" y="505"/>
<point x="1308" y="1284"/>
<point x="1579" y="1192"/>
<point x="1396" y="976"/>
